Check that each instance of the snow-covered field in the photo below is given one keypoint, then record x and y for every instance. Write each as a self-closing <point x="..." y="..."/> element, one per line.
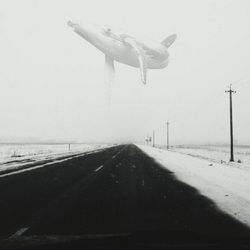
<point x="228" y="186"/>
<point x="14" y="156"/>
<point x="219" y="154"/>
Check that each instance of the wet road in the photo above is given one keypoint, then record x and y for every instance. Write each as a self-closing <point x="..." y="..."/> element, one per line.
<point x="116" y="190"/>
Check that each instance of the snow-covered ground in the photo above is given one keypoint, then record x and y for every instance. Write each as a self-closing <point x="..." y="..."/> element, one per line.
<point x="14" y="156"/>
<point x="219" y="154"/>
<point x="227" y="186"/>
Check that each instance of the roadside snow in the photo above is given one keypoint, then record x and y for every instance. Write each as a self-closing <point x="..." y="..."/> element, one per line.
<point x="218" y="154"/>
<point x="227" y="186"/>
<point x="15" y="156"/>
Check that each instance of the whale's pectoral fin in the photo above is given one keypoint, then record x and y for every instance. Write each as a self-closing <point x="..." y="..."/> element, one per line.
<point x="109" y="62"/>
<point x="143" y="68"/>
<point x="141" y="57"/>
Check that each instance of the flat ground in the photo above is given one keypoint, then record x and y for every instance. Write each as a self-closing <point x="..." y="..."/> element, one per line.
<point x="116" y="190"/>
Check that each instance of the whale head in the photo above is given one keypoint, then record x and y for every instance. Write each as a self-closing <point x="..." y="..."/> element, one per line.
<point x="90" y="32"/>
<point x="101" y="37"/>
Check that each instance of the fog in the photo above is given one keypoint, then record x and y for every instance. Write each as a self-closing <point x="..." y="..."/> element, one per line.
<point x="52" y="83"/>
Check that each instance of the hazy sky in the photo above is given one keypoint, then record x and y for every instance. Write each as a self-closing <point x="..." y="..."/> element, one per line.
<point x="52" y="81"/>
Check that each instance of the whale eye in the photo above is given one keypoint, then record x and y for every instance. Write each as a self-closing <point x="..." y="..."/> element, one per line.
<point x="107" y="31"/>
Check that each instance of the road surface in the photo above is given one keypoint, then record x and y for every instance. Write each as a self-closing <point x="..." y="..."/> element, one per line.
<point x="116" y="190"/>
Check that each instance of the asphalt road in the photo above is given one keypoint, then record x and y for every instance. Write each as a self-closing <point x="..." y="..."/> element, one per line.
<point x="116" y="190"/>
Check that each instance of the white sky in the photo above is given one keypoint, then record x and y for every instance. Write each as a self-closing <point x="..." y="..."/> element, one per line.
<point x="52" y="81"/>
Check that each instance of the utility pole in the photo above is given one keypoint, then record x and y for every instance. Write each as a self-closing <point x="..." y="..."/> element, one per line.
<point x="167" y="134"/>
<point x="230" y="91"/>
<point x="153" y="138"/>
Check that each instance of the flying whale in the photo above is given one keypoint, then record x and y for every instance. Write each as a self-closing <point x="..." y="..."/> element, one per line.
<point x="124" y="48"/>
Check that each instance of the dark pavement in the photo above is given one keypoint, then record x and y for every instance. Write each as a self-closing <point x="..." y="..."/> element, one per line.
<point x="117" y="190"/>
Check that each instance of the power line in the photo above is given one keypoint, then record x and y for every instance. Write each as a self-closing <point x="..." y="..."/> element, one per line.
<point x="242" y="81"/>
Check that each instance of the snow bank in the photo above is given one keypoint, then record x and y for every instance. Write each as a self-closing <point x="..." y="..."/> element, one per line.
<point x="227" y="186"/>
<point x="15" y="156"/>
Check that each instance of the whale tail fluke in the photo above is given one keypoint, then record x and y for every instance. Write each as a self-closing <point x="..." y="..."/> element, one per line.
<point x="169" y="40"/>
